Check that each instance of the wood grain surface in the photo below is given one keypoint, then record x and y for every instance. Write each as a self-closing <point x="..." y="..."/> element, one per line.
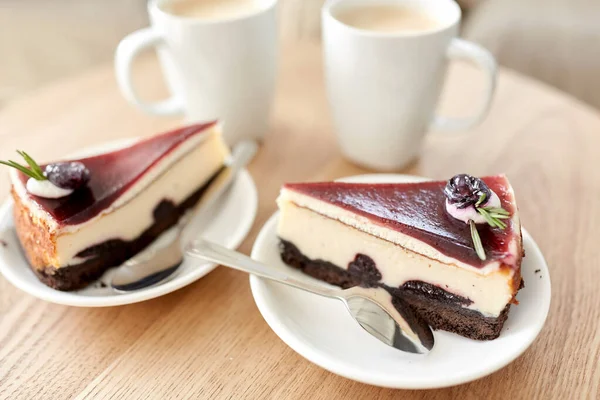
<point x="208" y="340"/>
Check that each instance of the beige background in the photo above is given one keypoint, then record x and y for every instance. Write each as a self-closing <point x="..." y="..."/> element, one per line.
<point x="556" y="41"/>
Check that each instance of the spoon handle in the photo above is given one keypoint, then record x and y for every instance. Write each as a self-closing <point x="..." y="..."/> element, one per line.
<point x="230" y="258"/>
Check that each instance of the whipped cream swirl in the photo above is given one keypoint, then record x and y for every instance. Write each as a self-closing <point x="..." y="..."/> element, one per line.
<point x="469" y="212"/>
<point x="46" y="189"/>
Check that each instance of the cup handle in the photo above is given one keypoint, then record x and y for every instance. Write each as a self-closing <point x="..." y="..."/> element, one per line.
<point x="464" y="50"/>
<point x="129" y="48"/>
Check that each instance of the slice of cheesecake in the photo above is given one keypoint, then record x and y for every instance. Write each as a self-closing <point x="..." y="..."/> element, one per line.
<point x="403" y="237"/>
<point x="132" y="196"/>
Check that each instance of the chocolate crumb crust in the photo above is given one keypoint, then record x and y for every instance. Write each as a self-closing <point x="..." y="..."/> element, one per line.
<point x="439" y="308"/>
<point x="433" y="291"/>
<point x="114" y="252"/>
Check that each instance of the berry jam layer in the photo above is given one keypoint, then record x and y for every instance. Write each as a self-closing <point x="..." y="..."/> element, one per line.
<point x="415" y="211"/>
<point x="437" y="307"/>
<point x="115" y="173"/>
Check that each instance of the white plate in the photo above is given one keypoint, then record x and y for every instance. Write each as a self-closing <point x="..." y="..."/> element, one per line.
<point x="322" y="331"/>
<point x="232" y="220"/>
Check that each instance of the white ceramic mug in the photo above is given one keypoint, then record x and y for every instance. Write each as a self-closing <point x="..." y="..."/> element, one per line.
<point x="383" y="87"/>
<point x="215" y="68"/>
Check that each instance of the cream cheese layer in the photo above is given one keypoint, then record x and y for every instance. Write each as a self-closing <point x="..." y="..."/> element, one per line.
<point x="174" y="178"/>
<point x="394" y="236"/>
<point x="321" y="237"/>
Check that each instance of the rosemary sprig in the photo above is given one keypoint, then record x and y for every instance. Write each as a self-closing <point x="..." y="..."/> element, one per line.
<point x="34" y="171"/>
<point x="492" y="219"/>
<point x="481" y="199"/>
<point x="476" y="240"/>
<point x="32" y="164"/>
<point x="493" y="216"/>
<point x="496" y="210"/>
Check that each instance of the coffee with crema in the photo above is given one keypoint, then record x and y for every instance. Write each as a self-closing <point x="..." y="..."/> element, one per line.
<point x="387" y="18"/>
<point x="211" y="9"/>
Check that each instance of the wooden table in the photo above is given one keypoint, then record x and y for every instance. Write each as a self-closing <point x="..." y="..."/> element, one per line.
<point x="209" y="340"/>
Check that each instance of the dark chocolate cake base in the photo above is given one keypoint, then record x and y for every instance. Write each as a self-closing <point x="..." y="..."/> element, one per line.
<point x="439" y="308"/>
<point x="114" y="252"/>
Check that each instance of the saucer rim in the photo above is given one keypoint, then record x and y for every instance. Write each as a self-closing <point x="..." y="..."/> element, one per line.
<point x="25" y="282"/>
<point x="311" y="351"/>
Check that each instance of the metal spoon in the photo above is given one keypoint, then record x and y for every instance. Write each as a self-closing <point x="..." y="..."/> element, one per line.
<point x="372" y="308"/>
<point x="161" y="259"/>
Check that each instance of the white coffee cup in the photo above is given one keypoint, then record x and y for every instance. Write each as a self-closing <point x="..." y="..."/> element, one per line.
<point x="383" y="86"/>
<point x="216" y="68"/>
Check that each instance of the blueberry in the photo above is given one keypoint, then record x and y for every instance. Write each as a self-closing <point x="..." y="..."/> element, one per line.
<point x="464" y="190"/>
<point x="67" y="175"/>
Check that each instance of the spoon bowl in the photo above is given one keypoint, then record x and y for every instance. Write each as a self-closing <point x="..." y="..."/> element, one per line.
<point x="378" y="320"/>
<point x="372" y="308"/>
